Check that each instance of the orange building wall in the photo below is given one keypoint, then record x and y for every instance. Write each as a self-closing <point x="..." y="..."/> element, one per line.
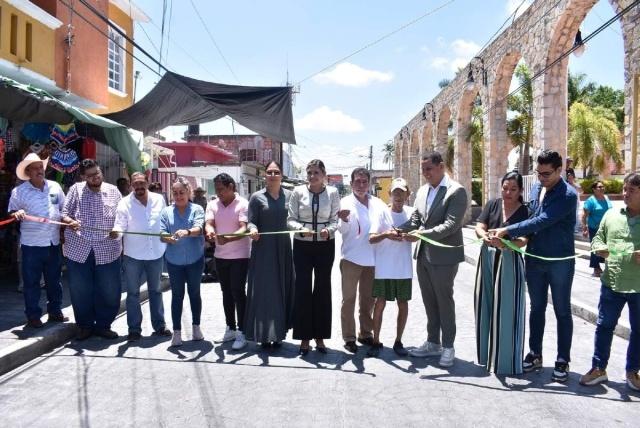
<point x="118" y="102"/>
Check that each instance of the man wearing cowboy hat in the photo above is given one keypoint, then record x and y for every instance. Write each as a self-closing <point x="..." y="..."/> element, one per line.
<point x="39" y="241"/>
<point x="199" y="197"/>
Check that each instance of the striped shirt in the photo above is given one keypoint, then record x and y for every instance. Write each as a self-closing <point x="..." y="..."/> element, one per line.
<point x="93" y="210"/>
<point x="46" y="203"/>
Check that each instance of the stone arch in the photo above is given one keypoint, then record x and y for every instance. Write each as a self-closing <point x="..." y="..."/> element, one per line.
<point x="406" y="163"/>
<point x="397" y="158"/>
<point x="426" y="146"/>
<point x="442" y="134"/>
<point x="463" y="151"/>
<point x="496" y="132"/>
<point x="413" y="174"/>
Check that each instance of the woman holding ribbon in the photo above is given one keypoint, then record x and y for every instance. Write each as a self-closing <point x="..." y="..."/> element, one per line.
<point x="500" y="283"/>
<point x="184" y="222"/>
<point x="313" y="211"/>
<point x="269" y="310"/>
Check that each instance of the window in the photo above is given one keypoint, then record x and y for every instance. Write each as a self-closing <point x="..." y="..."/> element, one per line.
<point x="248" y="155"/>
<point x="116" y="61"/>
<point x="28" y="43"/>
<point x="13" y="42"/>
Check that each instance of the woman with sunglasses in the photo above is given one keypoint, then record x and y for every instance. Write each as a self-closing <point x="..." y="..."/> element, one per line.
<point x="269" y="309"/>
<point x="592" y="212"/>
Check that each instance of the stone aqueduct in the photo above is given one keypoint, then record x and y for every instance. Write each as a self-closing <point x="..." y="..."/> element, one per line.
<point x="540" y="35"/>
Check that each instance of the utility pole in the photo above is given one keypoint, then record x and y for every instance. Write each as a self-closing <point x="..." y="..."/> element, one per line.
<point x="370" y="158"/>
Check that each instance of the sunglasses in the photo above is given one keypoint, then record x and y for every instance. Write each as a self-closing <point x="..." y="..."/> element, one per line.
<point x="273" y="173"/>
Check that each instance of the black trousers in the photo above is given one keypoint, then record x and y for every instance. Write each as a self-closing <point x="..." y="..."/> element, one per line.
<point x="232" y="274"/>
<point x="312" y="312"/>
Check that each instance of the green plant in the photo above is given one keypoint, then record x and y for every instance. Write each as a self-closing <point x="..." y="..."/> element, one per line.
<point x="611" y="187"/>
<point x="476" y="191"/>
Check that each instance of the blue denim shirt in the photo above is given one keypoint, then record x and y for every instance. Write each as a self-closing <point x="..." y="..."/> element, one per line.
<point x="551" y="224"/>
<point x="187" y="250"/>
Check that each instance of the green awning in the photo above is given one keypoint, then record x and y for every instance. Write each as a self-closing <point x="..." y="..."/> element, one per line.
<point x="25" y="103"/>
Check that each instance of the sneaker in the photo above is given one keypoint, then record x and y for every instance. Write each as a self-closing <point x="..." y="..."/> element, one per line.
<point x="399" y="349"/>
<point x="560" y="372"/>
<point x="374" y="350"/>
<point x="448" y="355"/>
<point x="162" y="332"/>
<point x="240" y="341"/>
<point x="427" y="349"/>
<point x="531" y="362"/>
<point x="197" y="333"/>
<point x="176" y="340"/>
<point x="594" y="377"/>
<point x="633" y="380"/>
<point x="228" y="336"/>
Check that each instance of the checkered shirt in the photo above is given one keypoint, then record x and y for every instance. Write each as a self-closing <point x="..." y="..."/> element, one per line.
<point x="96" y="210"/>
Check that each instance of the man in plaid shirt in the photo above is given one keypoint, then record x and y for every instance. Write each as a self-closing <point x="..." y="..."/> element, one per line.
<point x="93" y="257"/>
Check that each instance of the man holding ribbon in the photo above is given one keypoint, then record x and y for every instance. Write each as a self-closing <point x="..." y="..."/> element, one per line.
<point x="550" y="230"/>
<point x="93" y="260"/>
<point x="39" y="240"/>
<point x="440" y="206"/>
<point x="139" y="212"/>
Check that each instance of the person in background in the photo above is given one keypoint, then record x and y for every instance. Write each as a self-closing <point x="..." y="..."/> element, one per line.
<point x="93" y="260"/>
<point x="123" y="186"/>
<point x="500" y="283"/>
<point x="313" y="211"/>
<point x="569" y="169"/>
<point x="39" y="242"/>
<point x="184" y="222"/>
<point x="143" y="255"/>
<point x="270" y="290"/>
<point x="200" y="198"/>
<point x="571" y="179"/>
<point x="228" y="214"/>
<point x="593" y="210"/>
<point x="618" y="241"/>
<point x="394" y="267"/>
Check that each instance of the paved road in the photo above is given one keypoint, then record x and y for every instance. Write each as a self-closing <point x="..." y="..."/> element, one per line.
<point x="110" y="383"/>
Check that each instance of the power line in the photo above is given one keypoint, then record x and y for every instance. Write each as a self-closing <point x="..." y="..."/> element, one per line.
<point x="378" y="40"/>
<point x="502" y="26"/>
<point x="204" y="24"/>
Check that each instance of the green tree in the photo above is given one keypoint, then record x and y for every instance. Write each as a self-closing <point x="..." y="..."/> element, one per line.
<point x="593" y="138"/>
<point x="520" y="126"/>
<point x="594" y="95"/>
<point x="476" y="138"/>
<point x="389" y="153"/>
<point x="444" y="83"/>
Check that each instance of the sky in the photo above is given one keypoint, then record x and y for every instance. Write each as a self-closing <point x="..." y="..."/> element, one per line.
<point x="363" y="100"/>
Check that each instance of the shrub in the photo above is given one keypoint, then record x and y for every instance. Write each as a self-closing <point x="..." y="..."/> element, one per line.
<point x="476" y="191"/>
<point x="612" y="186"/>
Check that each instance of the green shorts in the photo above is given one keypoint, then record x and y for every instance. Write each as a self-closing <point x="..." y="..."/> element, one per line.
<point x="392" y="289"/>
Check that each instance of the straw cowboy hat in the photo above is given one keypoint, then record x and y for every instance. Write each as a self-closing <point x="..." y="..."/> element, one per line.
<point x="28" y="160"/>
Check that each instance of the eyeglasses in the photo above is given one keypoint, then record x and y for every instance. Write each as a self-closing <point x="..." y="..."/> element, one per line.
<point x="599" y="187"/>
<point x="98" y="173"/>
<point x="545" y="174"/>
<point x="273" y="173"/>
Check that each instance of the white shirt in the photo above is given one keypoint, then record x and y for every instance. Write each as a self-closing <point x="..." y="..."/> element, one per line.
<point x="132" y="216"/>
<point x="393" y="258"/>
<point x="434" y="191"/>
<point x="46" y="203"/>
<point x="355" y="232"/>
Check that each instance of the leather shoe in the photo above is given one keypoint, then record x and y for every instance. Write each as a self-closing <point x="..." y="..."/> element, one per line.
<point x="303" y="351"/>
<point x="351" y="347"/>
<point x="366" y="341"/>
<point x="162" y="332"/>
<point x="321" y="349"/>
<point x="57" y="318"/>
<point x="134" y="336"/>
<point x="83" y="333"/>
<point x="106" y="333"/>
<point x="34" y="323"/>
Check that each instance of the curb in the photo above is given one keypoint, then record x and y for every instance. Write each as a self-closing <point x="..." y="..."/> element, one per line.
<point x="579" y="309"/>
<point x="15" y="355"/>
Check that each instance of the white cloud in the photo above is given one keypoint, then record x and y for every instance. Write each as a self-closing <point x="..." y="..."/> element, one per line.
<point x="347" y="74"/>
<point x="461" y="53"/>
<point x="513" y="4"/>
<point x="327" y="120"/>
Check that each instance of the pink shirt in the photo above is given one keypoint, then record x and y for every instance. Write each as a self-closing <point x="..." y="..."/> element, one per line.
<point x="227" y="220"/>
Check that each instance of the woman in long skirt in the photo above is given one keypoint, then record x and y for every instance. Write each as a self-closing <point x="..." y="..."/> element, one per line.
<point x="500" y="284"/>
<point x="270" y="291"/>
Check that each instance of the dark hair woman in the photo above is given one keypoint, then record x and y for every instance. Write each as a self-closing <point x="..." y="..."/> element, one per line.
<point x="593" y="210"/>
<point x="500" y="284"/>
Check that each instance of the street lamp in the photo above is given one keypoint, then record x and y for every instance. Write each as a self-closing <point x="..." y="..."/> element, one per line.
<point x="578" y="45"/>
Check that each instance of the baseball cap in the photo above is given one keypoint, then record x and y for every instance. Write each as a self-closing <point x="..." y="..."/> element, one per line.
<point x="399" y="183"/>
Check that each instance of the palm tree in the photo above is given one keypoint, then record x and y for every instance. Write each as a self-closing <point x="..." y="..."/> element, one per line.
<point x="476" y="138"/>
<point x="520" y="127"/>
<point x="593" y="138"/>
<point x="389" y="153"/>
<point x="578" y="90"/>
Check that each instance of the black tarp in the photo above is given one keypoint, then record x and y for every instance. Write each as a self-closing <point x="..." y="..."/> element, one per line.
<point x="181" y="100"/>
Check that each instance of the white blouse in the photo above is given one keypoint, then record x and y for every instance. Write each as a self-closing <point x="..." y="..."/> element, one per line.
<point x="313" y="211"/>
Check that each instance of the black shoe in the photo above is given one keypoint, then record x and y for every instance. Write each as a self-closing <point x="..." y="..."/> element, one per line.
<point x="83" y="333"/>
<point x="321" y="349"/>
<point x="560" y="372"/>
<point x="265" y="345"/>
<point x="276" y="344"/>
<point x="57" y="318"/>
<point x="106" y="333"/>
<point x="366" y="341"/>
<point x="398" y="348"/>
<point x="531" y="362"/>
<point x="303" y="351"/>
<point x="351" y="347"/>
<point x="34" y="323"/>
<point x="374" y="351"/>
<point x="164" y="332"/>
<point x="134" y="336"/>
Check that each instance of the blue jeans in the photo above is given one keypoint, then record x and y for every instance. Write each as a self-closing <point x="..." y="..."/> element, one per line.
<point x="36" y="262"/>
<point x="95" y="292"/>
<point x="135" y="272"/>
<point x="559" y="276"/>
<point x="178" y="276"/>
<point x="609" y="309"/>
<point x="594" y="260"/>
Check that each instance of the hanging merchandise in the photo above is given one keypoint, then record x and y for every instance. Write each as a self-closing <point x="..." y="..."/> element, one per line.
<point x="37" y="132"/>
<point x="64" y="160"/>
<point x="63" y="134"/>
<point x="4" y="124"/>
<point x="1" y="153"/>
<point x="145" y="160"/>
<point x="88" y="149"/>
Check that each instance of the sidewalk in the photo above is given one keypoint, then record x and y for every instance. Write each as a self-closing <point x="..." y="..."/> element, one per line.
<point x="585" y="291"/>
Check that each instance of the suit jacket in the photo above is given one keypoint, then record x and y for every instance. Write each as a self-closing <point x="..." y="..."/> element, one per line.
<point x="443" y="223"/>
